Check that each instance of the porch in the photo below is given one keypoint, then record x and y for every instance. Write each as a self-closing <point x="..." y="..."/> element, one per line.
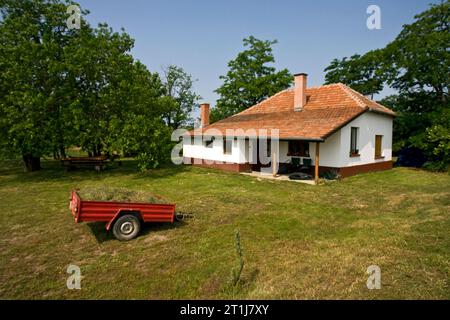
<point x="287" y="157"/>
<point x="278" y="177"/>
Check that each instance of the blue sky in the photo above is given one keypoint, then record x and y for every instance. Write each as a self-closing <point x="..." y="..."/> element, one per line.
<point x="202" y="36"/>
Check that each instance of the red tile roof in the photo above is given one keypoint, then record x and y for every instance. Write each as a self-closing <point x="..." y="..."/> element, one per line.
<point x="328" y="108"/>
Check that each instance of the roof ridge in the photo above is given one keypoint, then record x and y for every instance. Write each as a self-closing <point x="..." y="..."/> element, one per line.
<point x="361" y="98"/>
<point x="353" y="94"/>
<point x="316" y="87"/>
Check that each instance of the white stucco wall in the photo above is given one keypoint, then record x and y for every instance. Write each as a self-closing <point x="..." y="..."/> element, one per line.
<point x="199" y="151"/>
<point x="329" y="151"/>
<point x="334" y="151"/>
<point x="369" y="124"/>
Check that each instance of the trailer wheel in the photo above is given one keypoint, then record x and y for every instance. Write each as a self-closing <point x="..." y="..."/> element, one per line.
<point x="126" y="227"/>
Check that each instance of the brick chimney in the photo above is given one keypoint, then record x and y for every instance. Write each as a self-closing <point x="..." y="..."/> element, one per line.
<point x="204" y="114"/>
<point x="300" y="80"/>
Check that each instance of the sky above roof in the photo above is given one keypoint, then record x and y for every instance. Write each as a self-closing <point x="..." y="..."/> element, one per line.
<point x="201" y="36"/>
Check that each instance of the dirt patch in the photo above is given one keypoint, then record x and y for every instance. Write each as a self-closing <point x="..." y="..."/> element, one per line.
<point x="156" y="238"/>
<point x="211" y="287"/>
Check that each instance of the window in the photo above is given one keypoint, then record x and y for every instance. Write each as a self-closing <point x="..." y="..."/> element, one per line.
<point x="298" y="148"/>
<point x="209" y="143"/>
<point x="227" y="146"/>
<point x="378" y="146"/>
<point x="354" y="141"/>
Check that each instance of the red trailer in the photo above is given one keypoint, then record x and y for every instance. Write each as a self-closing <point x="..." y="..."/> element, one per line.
<point x="125" y="218"/>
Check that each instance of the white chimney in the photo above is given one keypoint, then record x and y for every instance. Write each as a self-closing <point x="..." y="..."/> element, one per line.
<point x="300" y="80"/>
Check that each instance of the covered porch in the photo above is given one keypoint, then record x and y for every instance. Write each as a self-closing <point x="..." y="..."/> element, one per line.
<point x="286" y="157"/>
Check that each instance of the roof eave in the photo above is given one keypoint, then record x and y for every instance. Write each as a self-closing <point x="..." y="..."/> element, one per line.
<point x="393" y="114"/>
<point x="345" y="123"/>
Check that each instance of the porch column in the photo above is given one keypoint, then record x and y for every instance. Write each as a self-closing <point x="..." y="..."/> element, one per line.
<point x="316" y="163"/>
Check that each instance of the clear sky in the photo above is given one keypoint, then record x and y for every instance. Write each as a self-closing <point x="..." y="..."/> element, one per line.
<point x="201" y="36"/>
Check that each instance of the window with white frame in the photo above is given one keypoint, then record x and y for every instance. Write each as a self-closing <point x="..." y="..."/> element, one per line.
<point x="354" y="141"/>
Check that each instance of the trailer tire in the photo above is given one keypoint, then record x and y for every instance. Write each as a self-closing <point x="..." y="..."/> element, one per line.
<point x="126" y="227"/>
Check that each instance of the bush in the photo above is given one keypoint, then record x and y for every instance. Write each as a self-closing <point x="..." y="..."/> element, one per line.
<point x="436" y="166"/>
<point x="438" y="147"/>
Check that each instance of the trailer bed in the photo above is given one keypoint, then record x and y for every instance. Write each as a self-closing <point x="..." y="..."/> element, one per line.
<point x="111" y="211"/>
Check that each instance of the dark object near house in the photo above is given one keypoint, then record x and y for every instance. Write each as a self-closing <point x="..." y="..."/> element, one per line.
<point x="284" y="168"/>
<point x="300" y="176"/>
<point x="410" y="157"/>
<point x="123" y="218"/>
<point x="330" y="175"/>
<point x="295" y="162"/>
<point x="301" y="164"/>
<point x="306" y="166"/>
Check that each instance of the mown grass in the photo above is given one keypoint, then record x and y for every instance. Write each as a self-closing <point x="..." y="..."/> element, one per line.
<point x="299" y="241"/>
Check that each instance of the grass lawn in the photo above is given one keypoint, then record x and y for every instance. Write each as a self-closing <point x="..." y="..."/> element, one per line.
<point x="299" y="241"/>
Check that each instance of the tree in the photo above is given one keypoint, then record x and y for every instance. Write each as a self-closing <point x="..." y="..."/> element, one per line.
<point x="102" y="69"/>
<point x="121" y="104"/>
<point x="140" y="129"/>
<point x="417" y="65"/>
<point x="61" y="87"/>
<point x="418" y="60"/>
<point x="178" y="85"/>
<point x="362" y="73"/>
<point x="33" y="81"/>
<point x="250" y="79"/>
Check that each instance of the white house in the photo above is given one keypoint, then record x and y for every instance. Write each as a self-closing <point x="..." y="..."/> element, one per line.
<point x="319" y="129"/>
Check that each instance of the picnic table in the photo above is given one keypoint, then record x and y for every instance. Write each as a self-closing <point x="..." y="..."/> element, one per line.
<point x="99" y="163"/>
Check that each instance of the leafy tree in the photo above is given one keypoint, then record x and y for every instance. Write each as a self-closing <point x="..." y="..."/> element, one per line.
<point x="61" y="87"/>
<point x="362" y="73"/>
<point x="250" y="79"/>
<point x="140" y="129"/>
<point x="178" y="85"/>
<point x="102" y="70"/>
<point x="418" y="60"/>
<point x="417" y="64"/>
<point x="415" y="112"/>
<point x="33" y="81"/>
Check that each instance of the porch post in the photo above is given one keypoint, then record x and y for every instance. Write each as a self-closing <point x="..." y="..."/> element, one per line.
<point x="316" y="162"/>
<point x="274" y="164"/>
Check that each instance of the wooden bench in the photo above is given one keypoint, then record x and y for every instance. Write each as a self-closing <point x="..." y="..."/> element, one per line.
<point x="99" y="163"/>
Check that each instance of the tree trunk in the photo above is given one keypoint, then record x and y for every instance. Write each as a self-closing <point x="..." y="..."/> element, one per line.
<point x="98" y="152"/>
<point x="62" y="151"/>
<point x="31" y="163"/>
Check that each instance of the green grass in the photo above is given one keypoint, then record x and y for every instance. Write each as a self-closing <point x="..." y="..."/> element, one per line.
<point x="298" y="241"/>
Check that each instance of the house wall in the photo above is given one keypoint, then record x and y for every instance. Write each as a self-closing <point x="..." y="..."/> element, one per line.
<point x="328" y="151"/>
<point x="197" y="150"/>
<point x="335" y="151"/>
<point x="369" y="124"/>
